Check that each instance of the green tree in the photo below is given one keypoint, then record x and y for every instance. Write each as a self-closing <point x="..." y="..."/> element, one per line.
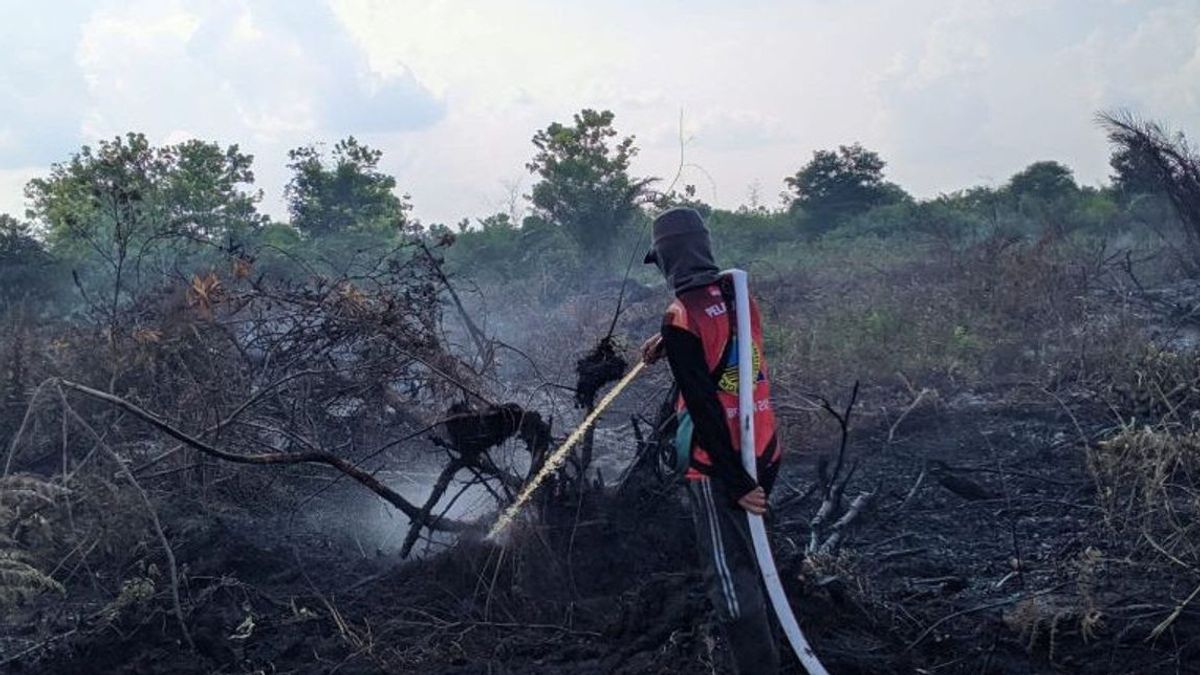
<point x="837" y="185"/>
<point x="1044" y="181"/>
<point x="126" y="208"/>
<point x="206" y="189"/>
<point x="1134" y="172"/>
<point x="1044" y="195"/>
<point x="347" y="193"/>
<point x="585" y="186"/>
<point x="127" y="189"/>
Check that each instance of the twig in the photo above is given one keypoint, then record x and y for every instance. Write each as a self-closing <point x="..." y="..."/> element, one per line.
<point x="477" y="335"/>
<point x="843" y="421"/>
<point x="44" y="643"/>
<point x="912" y="492"/>
<point x="912" y="406"/>
<point x="1166" y="623"/>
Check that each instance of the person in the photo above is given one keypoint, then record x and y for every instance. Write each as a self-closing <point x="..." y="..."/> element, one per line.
<point x="698" y="339"/>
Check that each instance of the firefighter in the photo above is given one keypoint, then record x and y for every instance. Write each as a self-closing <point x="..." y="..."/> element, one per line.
<point x="699" y="339"/>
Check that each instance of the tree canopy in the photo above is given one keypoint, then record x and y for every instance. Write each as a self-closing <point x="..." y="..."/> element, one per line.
<point x="344" y="193"/>
<point x="1045" y="181"/>
<point x="585" y="187"/>
<point x="126" y="208"/>
<point x="837" y="185"/>
<point x="1134" y="171"/>
<point x="126" y="190"/>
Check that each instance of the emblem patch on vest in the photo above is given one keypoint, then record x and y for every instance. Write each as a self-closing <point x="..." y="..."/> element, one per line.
<point x="729" y="377"/>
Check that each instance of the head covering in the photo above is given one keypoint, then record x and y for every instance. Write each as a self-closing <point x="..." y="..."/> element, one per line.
<point x="682" y="250"/>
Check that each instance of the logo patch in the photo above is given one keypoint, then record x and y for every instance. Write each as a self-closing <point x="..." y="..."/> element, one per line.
<point x="729" y="377"/>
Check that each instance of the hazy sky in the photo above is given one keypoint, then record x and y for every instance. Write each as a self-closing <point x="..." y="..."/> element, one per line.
<point x="950" y="93"/>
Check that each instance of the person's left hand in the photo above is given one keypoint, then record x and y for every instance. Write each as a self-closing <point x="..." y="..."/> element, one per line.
<point x="652" y="349"/>
<point x="754" y="501"/>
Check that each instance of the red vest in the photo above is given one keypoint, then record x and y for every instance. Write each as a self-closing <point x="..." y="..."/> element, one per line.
<point x="708" y="314"/>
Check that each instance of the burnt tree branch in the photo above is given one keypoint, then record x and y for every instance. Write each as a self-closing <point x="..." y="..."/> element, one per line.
<point x="406" y="507"/>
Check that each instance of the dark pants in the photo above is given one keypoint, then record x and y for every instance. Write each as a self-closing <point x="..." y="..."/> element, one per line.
<point x="732" y="578"/>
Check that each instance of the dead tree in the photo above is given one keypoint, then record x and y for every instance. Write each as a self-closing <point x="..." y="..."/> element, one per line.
<point x="824" y="537"/>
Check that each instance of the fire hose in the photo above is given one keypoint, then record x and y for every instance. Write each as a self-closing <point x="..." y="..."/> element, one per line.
<point x="758" y="529"/>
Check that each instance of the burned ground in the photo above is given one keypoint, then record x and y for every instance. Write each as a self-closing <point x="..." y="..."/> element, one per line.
<point x="1027" y="581"/>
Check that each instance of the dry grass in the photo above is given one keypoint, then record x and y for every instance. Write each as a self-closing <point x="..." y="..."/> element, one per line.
<point x="22" y="501"/>
<point x="1146" y="480"/>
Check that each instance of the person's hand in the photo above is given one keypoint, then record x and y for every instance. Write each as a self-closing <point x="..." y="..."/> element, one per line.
<point x="754" y="501"/>
<point x="652" y="349"/>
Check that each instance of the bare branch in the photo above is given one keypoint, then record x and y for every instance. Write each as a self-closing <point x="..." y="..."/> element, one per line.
<point x="313" y="457"/>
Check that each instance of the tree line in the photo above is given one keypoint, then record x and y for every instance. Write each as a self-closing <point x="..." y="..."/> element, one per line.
<point x="124" y="213"/>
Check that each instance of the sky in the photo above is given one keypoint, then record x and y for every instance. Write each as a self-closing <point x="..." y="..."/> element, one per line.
<point x="950" y="93"/>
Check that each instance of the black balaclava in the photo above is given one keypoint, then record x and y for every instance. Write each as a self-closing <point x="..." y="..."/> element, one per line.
<point x="682" y="250"/>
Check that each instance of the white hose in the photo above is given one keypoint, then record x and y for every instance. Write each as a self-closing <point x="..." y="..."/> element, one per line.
<point x="747" y="376"/>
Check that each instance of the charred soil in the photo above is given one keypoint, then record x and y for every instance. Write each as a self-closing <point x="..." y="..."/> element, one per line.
<point x="985" y="552"/>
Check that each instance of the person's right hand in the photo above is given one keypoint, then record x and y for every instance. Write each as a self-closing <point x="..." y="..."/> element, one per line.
<point x="652" y="349"/>
<point x="754" y="501"/>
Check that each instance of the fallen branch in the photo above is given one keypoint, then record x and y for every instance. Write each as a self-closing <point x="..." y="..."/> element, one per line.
<point x="439" y="489"/>
<point x="912" y="492"/>
<point x="406" y="507"/>
<point x="839" y="529"/>
<point x="16" y="439"/>
<point x="912" y="406"/>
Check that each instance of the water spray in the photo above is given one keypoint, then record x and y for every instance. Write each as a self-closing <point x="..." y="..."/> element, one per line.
<point x="556" y="458"/>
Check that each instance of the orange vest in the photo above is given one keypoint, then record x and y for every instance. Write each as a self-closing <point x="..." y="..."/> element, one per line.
<point x="708" y="313"/>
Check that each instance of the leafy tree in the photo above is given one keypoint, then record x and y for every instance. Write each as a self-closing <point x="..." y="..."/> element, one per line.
<point x="837" y="185"/>
<point x="126" y="188"/>
<point x="125" y="207"/>
<point x="585" y="186"/>
<point x="1095" y="208"/>
<point x="1043" y="181"/>
<point x="498" y="249"/>
<point x="1134" y="172"/>
<point x="1044" y="196"/>
<point x="347" y="193"/>
<point x="746" y="235"/>
<point x="205" y="189"/>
